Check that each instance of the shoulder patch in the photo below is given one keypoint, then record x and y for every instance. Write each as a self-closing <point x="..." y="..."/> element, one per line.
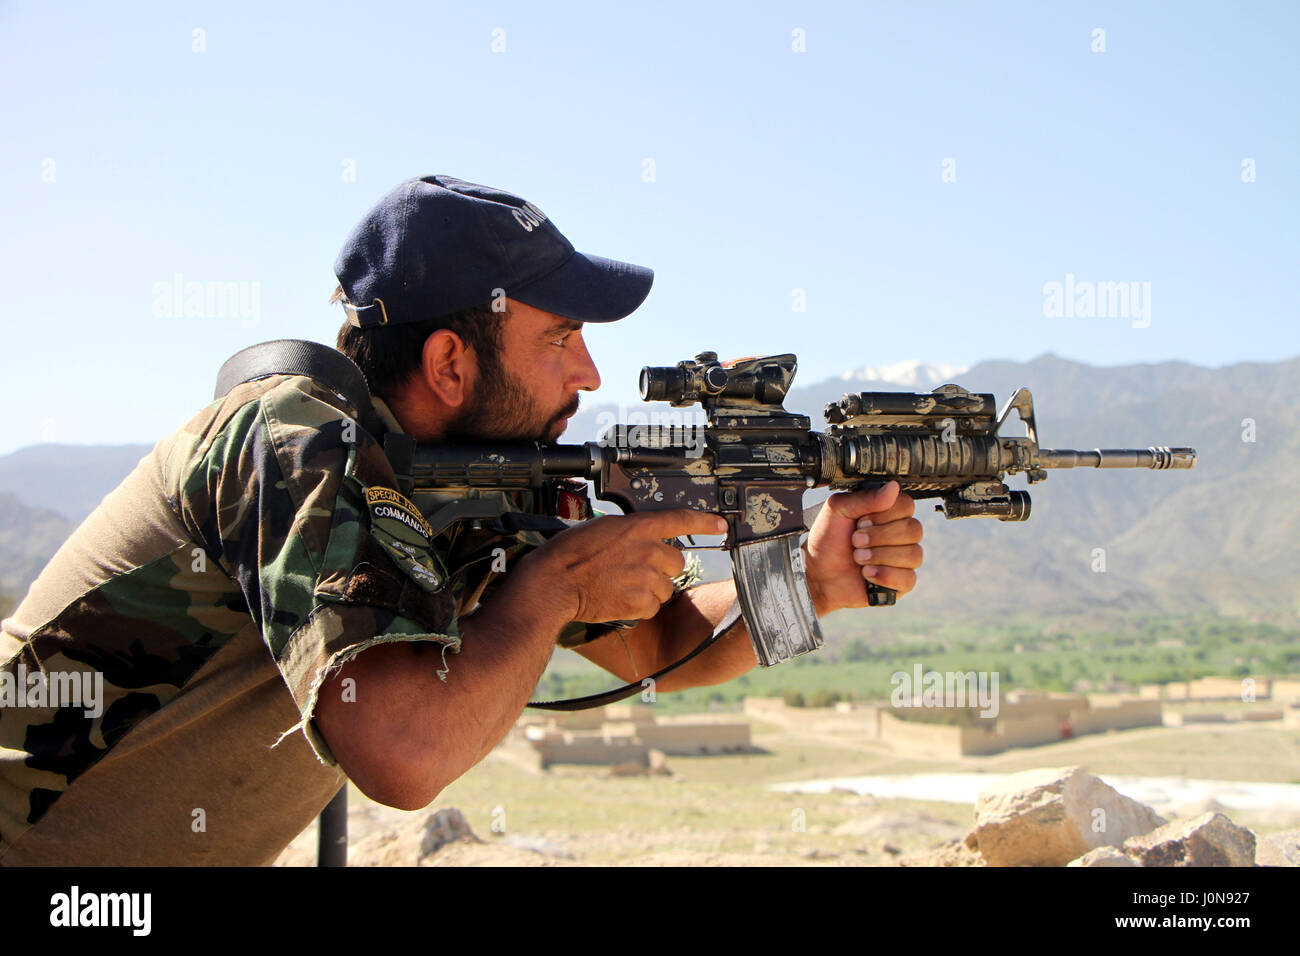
<point x="389" y="506"/>
<point x="400" y="528"/>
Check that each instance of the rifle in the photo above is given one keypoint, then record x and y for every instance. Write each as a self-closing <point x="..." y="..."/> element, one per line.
<point x="752" y="461"/>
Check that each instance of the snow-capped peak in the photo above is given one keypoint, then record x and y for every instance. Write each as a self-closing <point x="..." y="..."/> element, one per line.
<point x="911" y="373"/>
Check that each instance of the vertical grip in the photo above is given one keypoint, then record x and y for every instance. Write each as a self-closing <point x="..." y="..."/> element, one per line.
<point x="878" y="595"/>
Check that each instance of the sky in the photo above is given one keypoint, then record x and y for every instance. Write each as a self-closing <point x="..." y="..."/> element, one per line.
<point x="859" y="183"/>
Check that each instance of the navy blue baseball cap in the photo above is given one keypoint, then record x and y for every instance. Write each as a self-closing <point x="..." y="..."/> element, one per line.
<point x="437" y="245"/>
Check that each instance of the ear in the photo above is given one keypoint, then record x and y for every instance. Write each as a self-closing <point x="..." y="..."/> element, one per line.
<point x="449" y="367"/>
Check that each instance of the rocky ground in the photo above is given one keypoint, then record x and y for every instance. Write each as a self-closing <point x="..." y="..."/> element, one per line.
<point x="719" y="812"/>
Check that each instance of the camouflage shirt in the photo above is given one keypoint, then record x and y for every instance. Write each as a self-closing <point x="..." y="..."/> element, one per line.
<point x="251" y="552"/>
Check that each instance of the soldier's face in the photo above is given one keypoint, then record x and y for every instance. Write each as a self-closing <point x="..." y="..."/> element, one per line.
<point x="530" y="389"/>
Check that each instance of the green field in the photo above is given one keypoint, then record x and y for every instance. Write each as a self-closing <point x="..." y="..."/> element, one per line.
<point x="857" y="665"/>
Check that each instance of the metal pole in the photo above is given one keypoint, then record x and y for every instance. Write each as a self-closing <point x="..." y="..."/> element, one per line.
<point x="332" y="838"/>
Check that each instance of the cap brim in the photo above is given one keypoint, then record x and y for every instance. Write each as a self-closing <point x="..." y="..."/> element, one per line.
<point x="588" y="289"/>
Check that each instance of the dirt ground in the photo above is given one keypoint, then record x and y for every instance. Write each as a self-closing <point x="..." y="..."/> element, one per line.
<point x="717" y="811"/>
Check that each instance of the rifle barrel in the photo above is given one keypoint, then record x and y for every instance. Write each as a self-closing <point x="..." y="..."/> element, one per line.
<point x="1157" y="458"/>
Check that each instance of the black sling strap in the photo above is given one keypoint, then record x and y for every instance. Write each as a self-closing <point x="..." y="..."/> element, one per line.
<point x="729" y="620"/>
<point x="296" y="357"/>
<point x="332" y="369"/>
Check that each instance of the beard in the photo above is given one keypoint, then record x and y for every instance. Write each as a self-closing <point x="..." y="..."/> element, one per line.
<point x="502" y="408"/>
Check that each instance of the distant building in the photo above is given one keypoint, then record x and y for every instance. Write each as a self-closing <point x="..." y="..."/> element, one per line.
<point x="622" y="734"/>
<point x="1024" y="719"/>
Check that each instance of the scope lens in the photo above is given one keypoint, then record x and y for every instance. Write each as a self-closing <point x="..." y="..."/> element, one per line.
<point x="662" y="383"/>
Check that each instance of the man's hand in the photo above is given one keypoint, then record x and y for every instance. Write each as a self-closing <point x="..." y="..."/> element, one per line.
<point x="862" y="536"/>
<point x="618" y="567"/>
<point x="405" y="734"/>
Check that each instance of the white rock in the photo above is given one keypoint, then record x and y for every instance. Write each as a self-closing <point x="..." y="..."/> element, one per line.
<point x="1278" y="849"/>
<point x="1052" y="816"/>
<point x="1208" y="840"/>
<point x="1103" y="856"/>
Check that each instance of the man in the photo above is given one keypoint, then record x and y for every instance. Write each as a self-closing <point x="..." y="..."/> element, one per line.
<point x="259" y="574"/>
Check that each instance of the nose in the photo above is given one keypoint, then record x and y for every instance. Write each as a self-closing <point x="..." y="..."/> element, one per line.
<point x="583" y="375"/>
